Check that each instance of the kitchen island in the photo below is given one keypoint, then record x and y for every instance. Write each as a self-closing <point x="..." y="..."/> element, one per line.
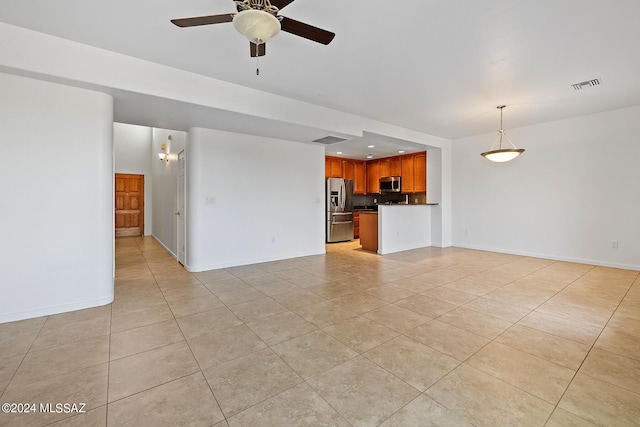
<point x="398" y="228"/>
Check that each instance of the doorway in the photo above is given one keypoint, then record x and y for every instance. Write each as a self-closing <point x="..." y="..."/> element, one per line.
<point x="129" y="205"/>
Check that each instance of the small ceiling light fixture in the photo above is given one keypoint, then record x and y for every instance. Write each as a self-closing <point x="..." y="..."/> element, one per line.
<point x="370" y="146"/>
<point x="369" y="156"/>
<point x="502" y="154"/>
<point x="401" y="151"/>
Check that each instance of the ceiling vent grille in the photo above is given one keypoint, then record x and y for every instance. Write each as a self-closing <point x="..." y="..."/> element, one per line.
<point x="588" y="83"/>
<point x="328" y="140"/>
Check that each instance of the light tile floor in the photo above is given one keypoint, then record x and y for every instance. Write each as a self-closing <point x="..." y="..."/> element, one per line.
<point x="425" y="337"/>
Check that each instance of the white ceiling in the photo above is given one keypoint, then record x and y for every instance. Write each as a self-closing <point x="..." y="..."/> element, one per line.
<point x="434" y="66"/>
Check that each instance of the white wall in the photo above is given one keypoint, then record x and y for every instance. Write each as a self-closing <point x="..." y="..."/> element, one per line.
<point x="133" y="155"/>
<point x="574" y="191"/>
<point x="164" y="203"/>
<point x="252" y="199"/>
<point x="57" y="198"/>
<point x="401" y="228"/>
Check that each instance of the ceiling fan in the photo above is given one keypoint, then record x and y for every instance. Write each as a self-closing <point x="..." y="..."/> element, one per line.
<point x="259" y="20"/>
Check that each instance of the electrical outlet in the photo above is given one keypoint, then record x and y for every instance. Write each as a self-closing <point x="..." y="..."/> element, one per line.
<point x="614" y="244"/>
<point x="273" y="240"/>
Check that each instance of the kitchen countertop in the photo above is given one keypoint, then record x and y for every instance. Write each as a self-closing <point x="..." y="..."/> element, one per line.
<point x="375" y="207"/>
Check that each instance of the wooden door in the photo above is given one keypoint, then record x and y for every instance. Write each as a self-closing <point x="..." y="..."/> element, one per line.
<point x="129" y="205"/>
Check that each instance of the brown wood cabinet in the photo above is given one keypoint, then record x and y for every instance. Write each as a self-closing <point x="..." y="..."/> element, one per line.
<point x="332" y="167"/>
<point x="373" y="176"/>
<point x="420" y="172"/>
<point x="348" y="169"/>
<point x="366" y="174"/>
<point x="395" y="166"/>
<point x="369" y="235"/>
<point x="359" y="177"/>
<point x="407" y="174"/>
<point x="385" y="167"/>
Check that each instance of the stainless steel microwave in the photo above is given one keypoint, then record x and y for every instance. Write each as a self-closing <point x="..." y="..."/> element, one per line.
<point x="390" y="184"/>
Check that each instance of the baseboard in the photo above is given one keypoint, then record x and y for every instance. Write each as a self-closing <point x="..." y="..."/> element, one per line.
<point x="238" y="263"/>
<point x="47" y="311"/>
<point x="169" y="251"/>
<point x="552" y="257"/>
<point x="403" y="248"/>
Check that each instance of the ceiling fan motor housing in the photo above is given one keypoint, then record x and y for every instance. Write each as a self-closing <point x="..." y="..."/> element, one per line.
<point x="264" y="5"/>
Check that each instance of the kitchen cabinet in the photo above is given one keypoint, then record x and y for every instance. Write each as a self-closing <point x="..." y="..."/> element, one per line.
<point x="420" y="172"/>
<point x="395" y="168"/>
<point x="407" y="174"/>
<point x="332" y="167"/>
<point x="356" y="224"/>
<point x="384" y="168"/>
<point x="348" y="169"/>
<point x="369" y="227"/>
<point x="366" y="174"/>
<point x="373" y="176"/>
<point x="359" y="177"/>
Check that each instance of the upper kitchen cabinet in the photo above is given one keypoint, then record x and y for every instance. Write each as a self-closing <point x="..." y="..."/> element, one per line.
<point x="384" y="168"/>
<point x="406" y="166"/>
<point x="359" y="177"/>
<point x="395" y="166"/>
<point x="420" y="172"/>
<point x="412" y="168"/>
<point x="373" y="176"/>
<point x="348" y="169"/>
<point x="390" y="166"/>
<point x="332" y="167"/>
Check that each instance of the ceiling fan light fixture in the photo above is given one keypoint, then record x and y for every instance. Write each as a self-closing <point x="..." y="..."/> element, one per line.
<point x="256" y="25"/>
<point x="502" y="154"/>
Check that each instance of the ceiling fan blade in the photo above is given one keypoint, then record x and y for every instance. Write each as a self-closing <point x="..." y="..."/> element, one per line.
<point x="203" y="20"/>
<point x="280" y="4"/>
<point x="257" y="49"/>
<point x="305" y="30"/>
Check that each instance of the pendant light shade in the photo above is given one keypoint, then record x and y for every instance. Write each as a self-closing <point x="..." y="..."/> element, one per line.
<point x="502" y="154"/>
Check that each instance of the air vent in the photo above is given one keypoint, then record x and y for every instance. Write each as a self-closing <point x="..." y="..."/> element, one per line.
<point x="328" y="140"/>
<point x="588" y="83"/>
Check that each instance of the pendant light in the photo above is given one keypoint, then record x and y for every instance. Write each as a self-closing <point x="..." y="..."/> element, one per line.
<point x="502" y="154"/>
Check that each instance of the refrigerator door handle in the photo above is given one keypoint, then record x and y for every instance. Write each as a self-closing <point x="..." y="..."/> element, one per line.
<point x="343" y="192"/>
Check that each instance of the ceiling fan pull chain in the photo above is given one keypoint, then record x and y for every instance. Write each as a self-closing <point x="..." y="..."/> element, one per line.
<point x="257" y="65"/>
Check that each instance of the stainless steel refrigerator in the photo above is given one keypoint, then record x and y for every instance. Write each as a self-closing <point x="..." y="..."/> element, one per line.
<point x="339" y="210"/>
